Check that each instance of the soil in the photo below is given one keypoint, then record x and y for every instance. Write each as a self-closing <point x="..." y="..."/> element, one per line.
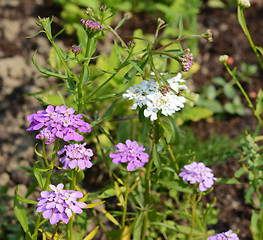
<point x="18" y="77"/>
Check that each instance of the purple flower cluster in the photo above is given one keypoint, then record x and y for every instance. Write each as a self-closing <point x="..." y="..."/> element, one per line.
<point x="76" y="49"/>
<point x="186" y="60"/>
<point x="59" y="122"/>
<point x="59" y="205"/>
<point x="76" y="155"/>
<point x="198" y="172"/>
<point x="224" y="236"/>
<point x="91" y="26"/>
<point x="130" y="152"/>
<point x="46" y="135"/>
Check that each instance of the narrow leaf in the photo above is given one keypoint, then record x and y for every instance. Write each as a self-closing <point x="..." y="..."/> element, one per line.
<point x="92" y="234"/>
<point x="110" y="217"/>
<point x="45" y="71"/>
<point x="21" y="213"/>
<point x="85" y="76"/>
<point x="138" y="227"/>
<point x="156" y="159"/>
<point x="120" y="23"/>
<point x="92" y="205"/>
<point x="61" y="31"/>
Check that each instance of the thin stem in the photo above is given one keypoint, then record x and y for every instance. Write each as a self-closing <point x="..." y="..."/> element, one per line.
<point x="250" y="104"/>
<point x="125" y="200"/>
<point x="178" y="40"/>
<point x="44" y="153"/>
<point x="89" y="51"/>
<point x="51" y="166"/>
<point x="147" y="181"/>
<point x="193" y="205"/>
<point x="55" y="231"/>
<point x="245" y="30"/>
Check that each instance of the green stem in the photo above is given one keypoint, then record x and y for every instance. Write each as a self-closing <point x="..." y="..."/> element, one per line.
<point x="178" y="40"/>
<point x="72" y="187"/>
<point x="243" y="24"/>
<point x="147" y="182"/>
<point x="51" y="166"/>
<point x="91" y="43"/>
<point x="125" y="200"/>
<point x="250" y="104"/>
<point x="59" y="55"/>
<point x="173" y="158"/>
<point x="193" y="205"/>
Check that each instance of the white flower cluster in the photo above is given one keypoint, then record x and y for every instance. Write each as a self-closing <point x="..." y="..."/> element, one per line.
<point x="148" y="94"/>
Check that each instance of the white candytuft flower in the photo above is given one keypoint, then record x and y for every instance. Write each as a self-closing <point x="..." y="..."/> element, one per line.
<point x="149" y="94"/>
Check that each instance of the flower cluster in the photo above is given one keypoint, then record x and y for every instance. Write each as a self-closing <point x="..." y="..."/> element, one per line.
<point x="59" y="122"/>
<point x="147" y="94"/>
<point x="198" y="172"/>
<point x="59" y="204"/>
<point x="186" y="60"/>
<point x="208" y="35"/>
<point x="76" y="155"/>
<point x="91" y="26"/>
<point x="46" y="135"/>
<point x="76" y="49"/>
<point x="224" y="236"/>
<point x="130" y="152"/>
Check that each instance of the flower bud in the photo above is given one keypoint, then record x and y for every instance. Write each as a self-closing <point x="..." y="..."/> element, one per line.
<point x="208" y="36"/>
<point x="244" y="3"/>
<point x="223" y="58"/>
<point x="76" y="49"/>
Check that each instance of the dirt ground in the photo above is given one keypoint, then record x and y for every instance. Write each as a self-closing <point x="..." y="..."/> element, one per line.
<point x="19" y="77"/>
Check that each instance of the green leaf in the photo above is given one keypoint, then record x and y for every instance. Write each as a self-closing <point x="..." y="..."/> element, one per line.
<point x="110" y="193"/>
<point x="156" y="159"/>
<point x="254" y="224"/>
<point x="181" y="187"/>
<point x="219" y="81"/>
<point x="92" y="205"/>
<point x="229" y="91"/>
<point x="86" y="76"/>
<point x="24" y="200"/>
<point x="239" y="172"/>
<point x="37" y="175"/>
<point x="172" y="132"/>
<point x="21" y="214"/>
<point x="228" y="181"/>
<point x="105" y="115"/>
<point x="110" y="217"/>
<point x="259" y="106"/>
<point x="260" y="49"/>
<point x="42" y="31"/>
<point x="92" y="234"/>
<point x="117" y="50"/>
<point x="105" y="97"/>
<point x="132" y="72"/>
<point x="138" y="227"/>
<point x="135" y="65"/>
<point x="80" y="176"/>
<point x="61" y="31"/>
<point x="45" y="71"/>
<point x="120" y="23"/>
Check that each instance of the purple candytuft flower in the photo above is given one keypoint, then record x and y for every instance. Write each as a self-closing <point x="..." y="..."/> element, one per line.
<point x="186" y="60"/>
<point x="224" y="236"/>
<point x="58" y="204"/>
<point x="130" y="152"/>
<point x="76" y="49"/>
<point x="91" y="26"/>
<point x="46" y="135"/>
<point x="60" y="121"/>
<point x="198" y="172"/>
<point x="76" y="155"/>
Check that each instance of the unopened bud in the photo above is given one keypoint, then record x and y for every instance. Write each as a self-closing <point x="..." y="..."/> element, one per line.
<point x="208" y="36"/>
<point x="223" y="58"/>
<point x="244" y="3"/>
